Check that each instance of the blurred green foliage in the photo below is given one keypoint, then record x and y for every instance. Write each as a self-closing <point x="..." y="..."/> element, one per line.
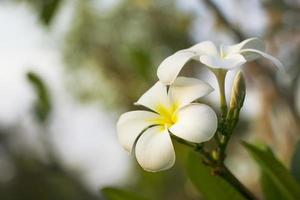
<point x="211" y="187"/>
<point x="269" y="188"/>
<point x="42" y="106"/>
<point x="32" y="177"/>
<point x="46" y="9"/>
<point x="121" y="48"/>
<point x="274" y="171"/>
<point x="172" y="184"/>
<point x="295" y="165"/>
<point x="36" y="180"/>
<point x="118" y="194"/>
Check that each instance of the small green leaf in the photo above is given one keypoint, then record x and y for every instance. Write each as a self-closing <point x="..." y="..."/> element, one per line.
<point x="211" y="187"/>
<point x="47" y="10"/>
<point x="275" y="171"/>
<point x="295" y="165"/>
<point x="42" y="105"/>
<point x="120" y="194"/>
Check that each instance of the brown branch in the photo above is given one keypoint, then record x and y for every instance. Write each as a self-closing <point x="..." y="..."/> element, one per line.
<point x="221" y="18"/>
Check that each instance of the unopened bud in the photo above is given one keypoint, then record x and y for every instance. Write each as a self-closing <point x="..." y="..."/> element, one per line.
<point x="238" y="92"/>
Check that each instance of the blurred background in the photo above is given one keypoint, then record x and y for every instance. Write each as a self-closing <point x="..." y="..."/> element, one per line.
<point x="69" y="68"/>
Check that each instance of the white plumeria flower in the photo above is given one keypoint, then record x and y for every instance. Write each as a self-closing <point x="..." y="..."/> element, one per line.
<point x="226" y="58"/>
<point x="172" y="111"/>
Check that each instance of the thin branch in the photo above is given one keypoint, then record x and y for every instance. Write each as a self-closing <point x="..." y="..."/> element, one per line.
<point x="221" y="18"/>
<point x="231" y="179"/>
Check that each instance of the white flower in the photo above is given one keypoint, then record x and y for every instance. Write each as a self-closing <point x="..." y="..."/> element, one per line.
<point x="227" y="57"/>
<point x="172" y="111"/>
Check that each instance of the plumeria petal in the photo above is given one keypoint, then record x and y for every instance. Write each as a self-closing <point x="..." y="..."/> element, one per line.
<point x="265" y="55"/>
<point x="131" y="124"/>
<point x="169" y="69"/>
<point x="185" y="90"/>
<point x="229" y="62"/>
<point x="195" y="123"/>
<point x="154" y="150"/>
<point x="251" y="43"/>
<point x="206" y="47"/>
<point x="157" y="95"/>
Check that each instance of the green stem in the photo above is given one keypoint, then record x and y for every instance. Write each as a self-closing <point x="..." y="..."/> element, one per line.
<point x="221" y="75"/>
<point x="226" y="130"/>
<point x="215" y="158"/>
<point x="231" y="123"/>
<point x="226" y="174"/>
<point x="219" y="168"/>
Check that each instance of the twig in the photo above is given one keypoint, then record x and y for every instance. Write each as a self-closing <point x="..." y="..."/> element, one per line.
<point x="226" y="174"/>
<point x="221" y="18"/>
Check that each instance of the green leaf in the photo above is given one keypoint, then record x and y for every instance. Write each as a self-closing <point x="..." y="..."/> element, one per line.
<point x="42" y="106"/>
<point x="275" y="171"/>
<point x="295" y="165"/>
<point x="269" y="188"/>
<point x="47" y="10"/>
<point x="120" y="194"/>
<point x="211" y="187"/>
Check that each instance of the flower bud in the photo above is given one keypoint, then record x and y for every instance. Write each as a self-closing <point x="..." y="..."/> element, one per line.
<point x="238" y="92"/>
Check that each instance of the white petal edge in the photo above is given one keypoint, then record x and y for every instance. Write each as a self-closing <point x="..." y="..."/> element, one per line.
<point x="169" y="69"/>
<point x="130" y="125"/>
<point x="155" y="96"/>
<point x="184" y="90"/>
<point x="196" y="123"/>
<point x="251" y="43"/>
<point x="205" y="48"/>
<point x="154" y="150"/>
<point x="265" y="55"/>
<point x="230" y="62"/>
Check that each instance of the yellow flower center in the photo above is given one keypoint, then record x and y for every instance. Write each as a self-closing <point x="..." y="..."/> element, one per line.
<point x="167" y="115"/>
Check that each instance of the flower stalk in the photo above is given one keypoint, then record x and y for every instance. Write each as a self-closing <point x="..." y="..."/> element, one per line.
<point x="226" y="174"/>
<point x="219" y="169"/>
<point x="229" y="118"/>
<point x="221" y="75"/>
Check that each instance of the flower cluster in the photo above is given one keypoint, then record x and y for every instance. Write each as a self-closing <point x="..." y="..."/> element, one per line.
<point x="173" y="111"/>
<point x="227" y="58"/>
